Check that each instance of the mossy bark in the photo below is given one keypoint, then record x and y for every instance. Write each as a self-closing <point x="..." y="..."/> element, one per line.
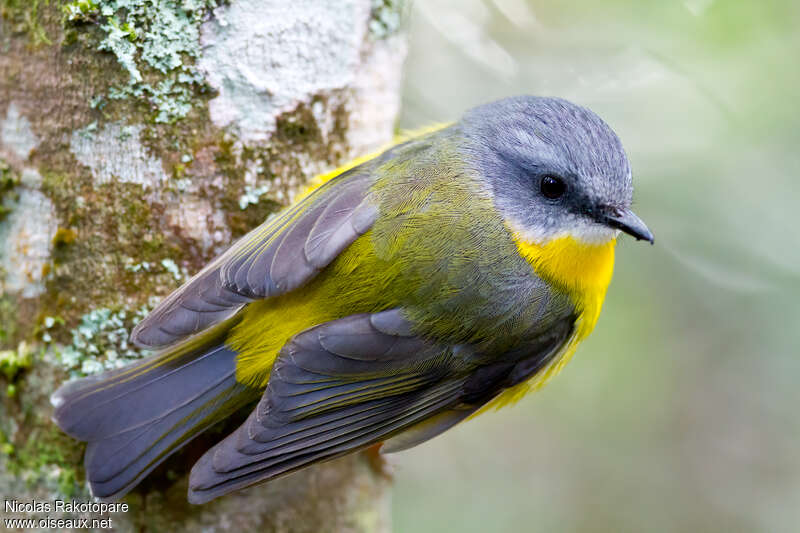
<point x="111" y="196"/>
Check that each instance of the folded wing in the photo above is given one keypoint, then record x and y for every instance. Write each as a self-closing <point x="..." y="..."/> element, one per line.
<point x="278" y="256"/>
<point x="351" y="383"/>
<point x="335" y="388"/>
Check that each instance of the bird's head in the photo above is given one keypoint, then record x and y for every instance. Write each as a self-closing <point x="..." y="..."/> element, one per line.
<point x="555" y="170"/>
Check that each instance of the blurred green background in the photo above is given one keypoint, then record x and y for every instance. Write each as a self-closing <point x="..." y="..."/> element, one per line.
<point x="680" y="413"/>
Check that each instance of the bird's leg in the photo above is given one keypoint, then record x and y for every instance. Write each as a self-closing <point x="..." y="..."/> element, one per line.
<point x="377" y="462"/>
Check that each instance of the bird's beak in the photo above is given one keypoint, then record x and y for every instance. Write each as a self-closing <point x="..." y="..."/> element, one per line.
<point x="627" y="221"/>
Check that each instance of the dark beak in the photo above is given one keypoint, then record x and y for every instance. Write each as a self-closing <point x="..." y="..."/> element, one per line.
<point x="627" y="221"/>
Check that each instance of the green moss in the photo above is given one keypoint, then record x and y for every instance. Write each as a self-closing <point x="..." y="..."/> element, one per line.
<point x="8" y="321"/>
<point x="178" y="171"/>
<point x="44" y="453"/>
<point x="4" y="212"/>
<point x="8" y="178"/>
<point x="64" y="237"/>
<point x="80" y="10"/>
<point x="155" y="42"/>
<point x="24" y="17"/>
<point x="13" y="362"/>
<point x="40" y="449"/>
<point x="8" y="183"/>
<point x="67" y="482"/>
<point x="298" y="129"/>
<point x="112" y="228"/>
<point x="296" y="141"/>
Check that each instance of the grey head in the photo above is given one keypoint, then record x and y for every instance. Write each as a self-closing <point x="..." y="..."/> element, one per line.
<point x="554" y="168"/>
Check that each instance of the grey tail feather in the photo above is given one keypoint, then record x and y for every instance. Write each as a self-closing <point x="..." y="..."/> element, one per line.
<point x="135" y="417"/>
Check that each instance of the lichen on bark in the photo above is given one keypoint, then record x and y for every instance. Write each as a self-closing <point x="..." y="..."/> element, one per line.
<point x="154" y="41"/>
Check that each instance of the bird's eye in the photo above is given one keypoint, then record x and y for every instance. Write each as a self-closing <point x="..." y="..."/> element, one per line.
<point x="553" y="187"/>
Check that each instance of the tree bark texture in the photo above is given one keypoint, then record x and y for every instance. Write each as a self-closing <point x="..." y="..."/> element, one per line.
<point x="138" y="139"/>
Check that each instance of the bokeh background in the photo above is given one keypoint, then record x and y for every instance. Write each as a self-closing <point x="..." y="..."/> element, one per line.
<point x="682" y="411"/>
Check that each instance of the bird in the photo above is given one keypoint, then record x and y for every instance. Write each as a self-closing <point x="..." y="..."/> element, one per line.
<point x="404" y="293"/>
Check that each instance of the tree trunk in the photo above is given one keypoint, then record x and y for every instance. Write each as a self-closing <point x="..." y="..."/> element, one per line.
<point x="138" y="139"/>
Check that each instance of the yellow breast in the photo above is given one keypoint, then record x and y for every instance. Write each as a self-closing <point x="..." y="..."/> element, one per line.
<point x="580" y="270"/>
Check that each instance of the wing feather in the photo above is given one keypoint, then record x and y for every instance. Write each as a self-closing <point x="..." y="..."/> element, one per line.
<point x="335" y="388"/>
<point x="356" y="381"/>
<point x="278" y="256"/>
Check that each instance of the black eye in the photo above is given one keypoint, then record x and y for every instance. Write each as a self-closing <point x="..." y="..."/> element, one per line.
<point x="553" y="187"/>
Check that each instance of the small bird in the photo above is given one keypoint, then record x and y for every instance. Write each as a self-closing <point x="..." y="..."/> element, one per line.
<point x="408" y="291"/>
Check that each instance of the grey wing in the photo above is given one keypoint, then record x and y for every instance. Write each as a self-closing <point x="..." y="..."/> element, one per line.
<point x="278" y="256"/>
<point x="350" y="383"/>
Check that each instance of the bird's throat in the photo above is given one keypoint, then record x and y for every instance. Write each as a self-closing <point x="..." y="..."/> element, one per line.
<point x="581" y="270"/>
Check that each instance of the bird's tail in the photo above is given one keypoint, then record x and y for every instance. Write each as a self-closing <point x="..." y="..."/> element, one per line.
<point x="135" y="417"/>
